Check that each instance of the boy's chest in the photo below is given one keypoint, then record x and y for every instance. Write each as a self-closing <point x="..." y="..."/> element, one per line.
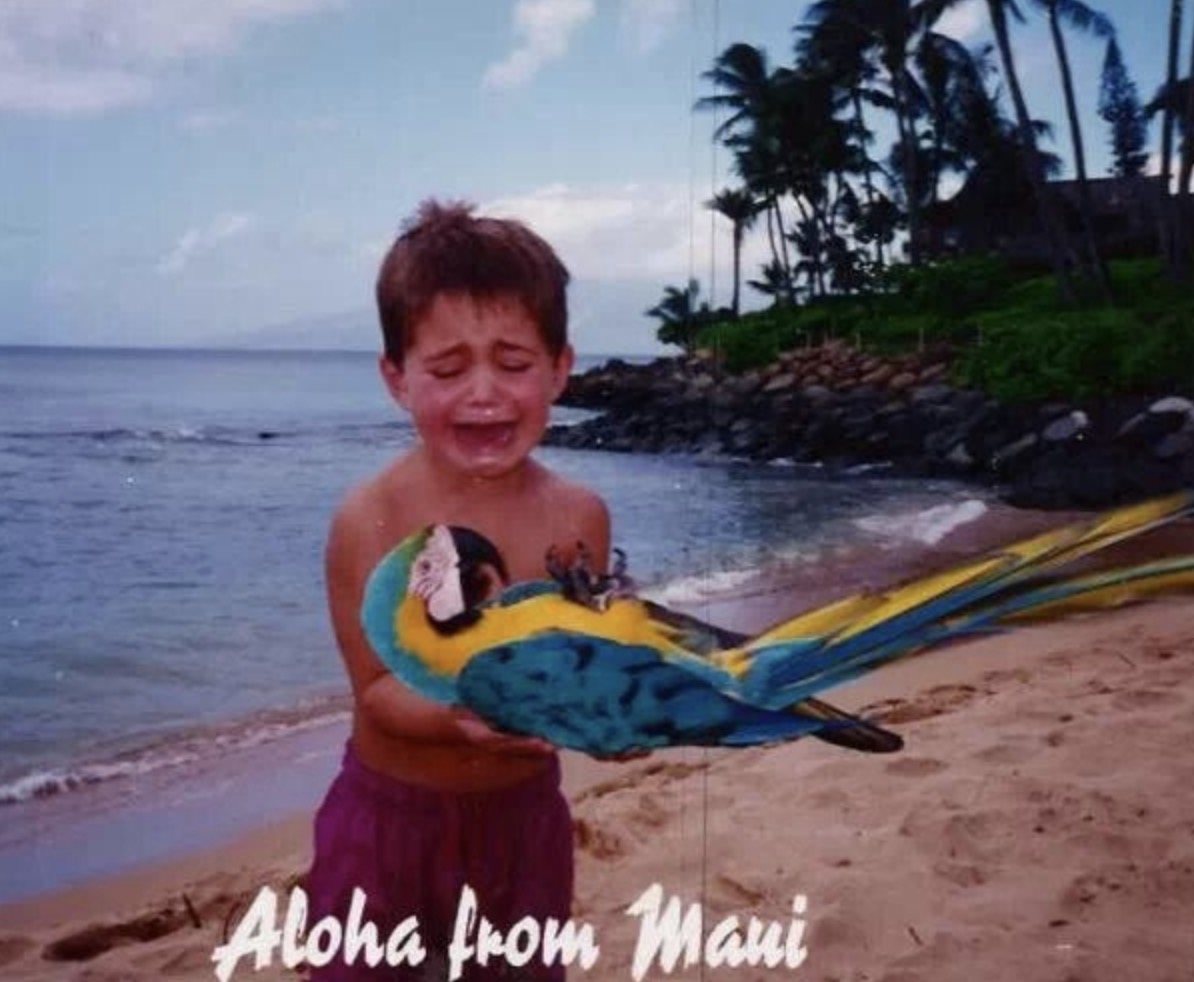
<point x="522" y="539"/>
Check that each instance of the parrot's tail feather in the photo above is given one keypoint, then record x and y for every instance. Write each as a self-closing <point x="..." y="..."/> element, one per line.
<point x="1097" y="591"/>
<point x="1100" y="591"/>
<point x="852" y="732"/>
<point x="789" y="662"/>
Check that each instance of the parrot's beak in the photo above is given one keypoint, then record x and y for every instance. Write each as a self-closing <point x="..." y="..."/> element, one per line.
<point x="455" y="573"/>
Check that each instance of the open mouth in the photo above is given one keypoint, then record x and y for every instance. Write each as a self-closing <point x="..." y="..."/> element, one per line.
<point x="484" y="437"/>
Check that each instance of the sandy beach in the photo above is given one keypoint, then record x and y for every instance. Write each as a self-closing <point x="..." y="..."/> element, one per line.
<point x="1038" y="825"/>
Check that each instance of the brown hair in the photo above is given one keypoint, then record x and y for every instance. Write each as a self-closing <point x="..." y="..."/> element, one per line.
<point x="446" y="249"/>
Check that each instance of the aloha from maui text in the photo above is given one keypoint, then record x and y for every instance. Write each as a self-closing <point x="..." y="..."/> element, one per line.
<point x="670" y="936"/>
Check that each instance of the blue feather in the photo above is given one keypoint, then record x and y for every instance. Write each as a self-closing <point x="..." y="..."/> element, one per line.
<point x="595" y="695"/>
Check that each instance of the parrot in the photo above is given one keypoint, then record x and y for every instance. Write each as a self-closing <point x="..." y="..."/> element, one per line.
<point x="582" y="661"/>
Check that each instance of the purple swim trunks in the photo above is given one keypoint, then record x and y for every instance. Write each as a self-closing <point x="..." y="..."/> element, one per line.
<point x="412" y="849"/>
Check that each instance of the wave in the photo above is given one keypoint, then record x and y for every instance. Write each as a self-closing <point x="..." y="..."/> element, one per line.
<point x="176" y="750"/>
<point x="211" y="435"/>
<point x="927" y="526"/>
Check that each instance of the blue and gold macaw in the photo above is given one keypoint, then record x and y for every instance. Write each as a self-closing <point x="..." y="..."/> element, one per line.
<point x="583" y="663"/>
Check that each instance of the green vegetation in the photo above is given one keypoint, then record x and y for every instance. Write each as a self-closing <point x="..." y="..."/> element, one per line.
<point x="838" y="206"/>
<point x="1013" y="336"/>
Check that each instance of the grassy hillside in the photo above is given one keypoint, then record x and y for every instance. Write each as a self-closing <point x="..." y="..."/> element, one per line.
<point x="1013" y="336"/>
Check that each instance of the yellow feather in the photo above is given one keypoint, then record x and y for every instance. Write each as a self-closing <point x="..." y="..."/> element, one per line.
<point x="624" y="621"/>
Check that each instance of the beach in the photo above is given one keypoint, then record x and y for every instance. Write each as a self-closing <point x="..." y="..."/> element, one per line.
<point x="1038" y="824"/>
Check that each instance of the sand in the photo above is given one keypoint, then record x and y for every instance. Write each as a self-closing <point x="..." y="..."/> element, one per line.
<point x="1037" y="827"/>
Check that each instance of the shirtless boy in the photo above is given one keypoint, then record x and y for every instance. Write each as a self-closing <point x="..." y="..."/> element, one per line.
<point x="474" y="317"/>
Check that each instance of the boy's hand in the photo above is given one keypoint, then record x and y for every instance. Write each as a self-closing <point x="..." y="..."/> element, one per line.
<point x="480" y="734"/>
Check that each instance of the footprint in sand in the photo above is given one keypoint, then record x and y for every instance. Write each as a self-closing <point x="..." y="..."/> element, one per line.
<point x="1144" y="699"/>
<point x="94" y="940"/>
<point x="937" y="700"/>
<point x="1010" y="751"/>
<point x="598" y="842"/>
<point x="915" y="766"/>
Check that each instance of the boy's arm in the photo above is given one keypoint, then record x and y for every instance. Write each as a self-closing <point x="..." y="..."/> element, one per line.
<point x="390" y="705"/>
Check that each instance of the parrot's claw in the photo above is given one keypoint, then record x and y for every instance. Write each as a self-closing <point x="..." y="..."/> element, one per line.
<point x="581" y="586"/>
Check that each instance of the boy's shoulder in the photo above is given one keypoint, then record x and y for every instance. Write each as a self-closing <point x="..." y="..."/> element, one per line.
<point x="571" y="495"/>
<point x="372" y="511"/>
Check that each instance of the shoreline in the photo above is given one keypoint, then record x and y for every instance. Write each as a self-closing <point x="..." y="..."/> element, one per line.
<point x="223" y="832"/>
<point x="1002" y="835"/>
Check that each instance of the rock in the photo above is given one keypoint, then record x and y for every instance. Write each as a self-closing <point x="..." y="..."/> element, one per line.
<point x="816" y="394"/>
<point x="1173" y="404"/>
<point x="1174" y="444"/>
<point x="878" y="376"/>
<point x="784" y="381"/>
<point x="1066" y="427"/>
<point x="1006" y="456"/>
<point x="834" y="406"/>
<point x="960" y="457"/>
<point x="937" y="392"/>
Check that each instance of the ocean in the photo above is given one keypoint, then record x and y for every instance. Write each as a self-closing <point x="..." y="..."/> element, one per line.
<point x="162" y="521"/>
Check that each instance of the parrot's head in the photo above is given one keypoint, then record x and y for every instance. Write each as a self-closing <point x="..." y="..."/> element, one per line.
<point x="454" y="570"/>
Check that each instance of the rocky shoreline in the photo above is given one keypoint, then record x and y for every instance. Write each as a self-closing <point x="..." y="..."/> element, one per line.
<point x="840" y="407"/>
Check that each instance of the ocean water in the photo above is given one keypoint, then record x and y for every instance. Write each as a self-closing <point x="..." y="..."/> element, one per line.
<point x="162" y="519"/>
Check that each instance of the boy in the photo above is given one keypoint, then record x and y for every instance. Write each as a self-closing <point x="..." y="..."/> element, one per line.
<point x="474" y="317"/>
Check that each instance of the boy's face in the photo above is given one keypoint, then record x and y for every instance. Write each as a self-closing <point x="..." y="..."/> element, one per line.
<point x="479" y="381"/>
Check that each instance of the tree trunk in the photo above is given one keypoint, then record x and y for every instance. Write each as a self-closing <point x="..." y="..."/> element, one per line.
<point x="771" y="232"/>
<point x="1059" y="251"/>
<point x="783" y="245"/>
<point x="907" y="135"/>
<point x="866" y="169"/>
<point x="1183" y="245"/>
<point x="1167" y="221"/>
<point x="1097" y="269"/>
<point x="737" y="266"/>
<point x="1187" y="160"/>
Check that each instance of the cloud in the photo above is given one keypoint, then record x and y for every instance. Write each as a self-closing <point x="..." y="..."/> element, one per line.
<point x="544" y="29"/>
<point x="73" y="57"/>
<point x="649" y="22"/>
<point x="201" y="239"/>
<point x="655" y="232"/>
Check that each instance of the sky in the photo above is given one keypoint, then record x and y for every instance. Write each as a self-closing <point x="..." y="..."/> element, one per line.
<point x="212" y="172"/>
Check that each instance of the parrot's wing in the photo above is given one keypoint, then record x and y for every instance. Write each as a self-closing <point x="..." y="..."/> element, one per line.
<point x="601" y="697"/>
<point x="702" y="638"/>
<point x="691" y="632"/>
<point x="826" y="647"/>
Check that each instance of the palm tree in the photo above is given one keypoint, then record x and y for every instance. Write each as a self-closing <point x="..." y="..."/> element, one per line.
<point x="776" y="283"/>
<point x="1169" y="115"/>
<point x="741" y="208"/>
<point x="678" y="315"/>
<point x="749" y="91"/>
<point x="743" y="84"/>
<point x="835" y="55"/>
<point x="1079" y="16"/>
<point x="1060" y="253"/>
<point x="884" y="32"/>
<point x="1169" y="226"/>
<point x="960" y="110"/>
<point x="1176" y="103"/>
